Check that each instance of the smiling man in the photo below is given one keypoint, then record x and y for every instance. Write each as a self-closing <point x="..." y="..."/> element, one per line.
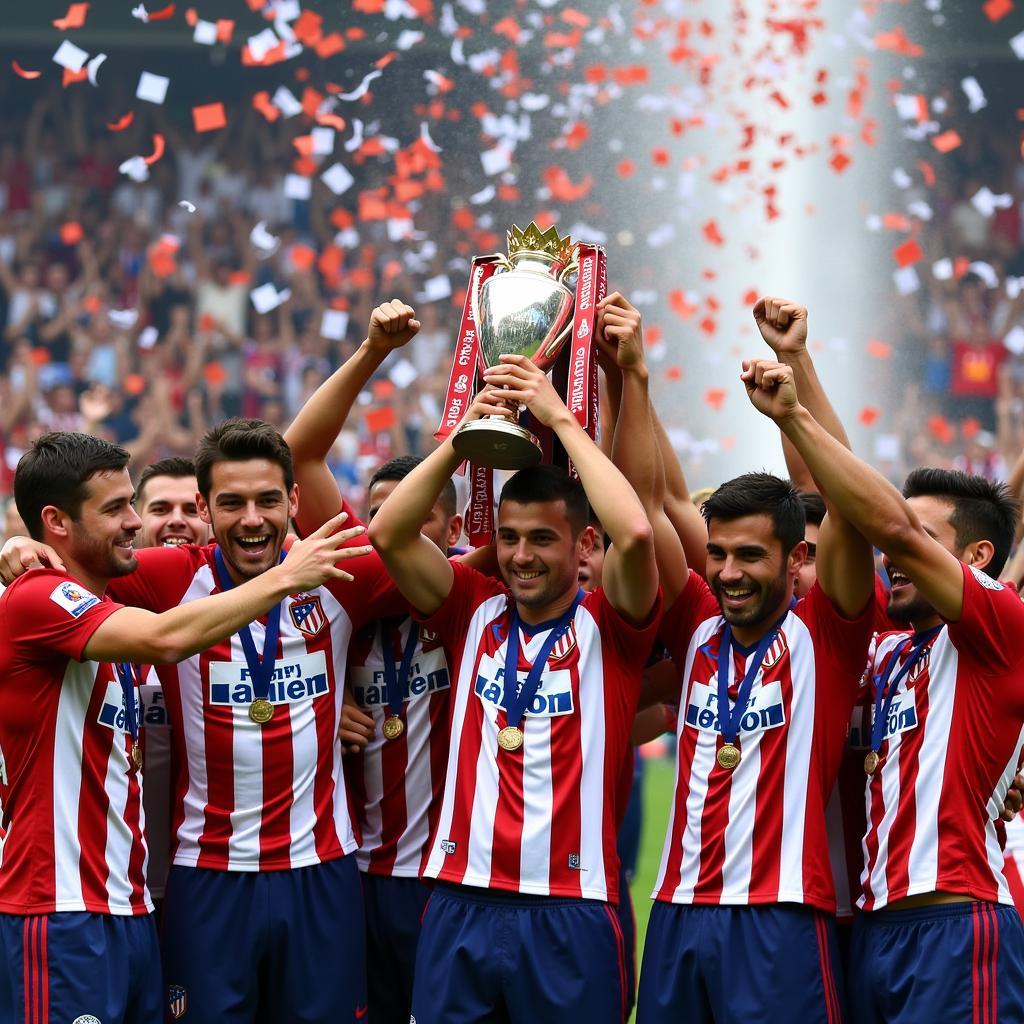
<point x="166" y="501"/>
<point x="940" y="939"/>
<point x="76" y="931"/>
<point x="544" y="692"/>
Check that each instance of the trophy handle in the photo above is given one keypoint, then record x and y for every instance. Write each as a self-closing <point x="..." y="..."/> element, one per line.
<point x="556" y="343"/>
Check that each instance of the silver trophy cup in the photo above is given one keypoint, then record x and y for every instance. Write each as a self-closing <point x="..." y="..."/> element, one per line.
<point x="525" y="307"/>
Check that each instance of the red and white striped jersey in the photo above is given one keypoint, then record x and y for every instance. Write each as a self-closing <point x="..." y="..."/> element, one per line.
<point x="756" y="834"/>
<point x="950" y="748"/>
<point x="71" y="817"/>
<point x="396" y="784"/>
<point x="249" y="797"/>
<point x="845" y="818"/>
<point x="543" y="819"/>
<point x="156" y="792"/>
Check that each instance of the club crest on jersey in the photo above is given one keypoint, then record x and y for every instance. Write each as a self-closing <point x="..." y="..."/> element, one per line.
<point x="73" y="598"/>
<point x="448" y="847"/>
<point x="564" y="645"/>
<point x="775" y="652"/>
<point x="177" y="1001"/>
<point x="308" y="616"/>
<point x="919" y="666"/>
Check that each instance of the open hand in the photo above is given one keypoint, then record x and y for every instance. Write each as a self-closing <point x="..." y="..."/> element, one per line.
<point x="313" y="560"/>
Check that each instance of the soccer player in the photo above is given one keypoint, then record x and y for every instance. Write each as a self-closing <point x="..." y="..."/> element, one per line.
<point x="75" y="925"/>
<point x="767" y="687"/>
<point x="940" y="939"/>
<point x="262" y="878"/>
<point x="166" y="502"/>
<point x="519" y="927"/>
<point x="395" y="720"/>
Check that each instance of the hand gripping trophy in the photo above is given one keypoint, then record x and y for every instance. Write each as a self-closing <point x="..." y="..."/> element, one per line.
<point x="532" y="302"/>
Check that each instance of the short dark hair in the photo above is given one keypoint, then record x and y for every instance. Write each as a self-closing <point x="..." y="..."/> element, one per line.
<point x="236" y="440"/>
<point x="56" y="471"/>
<point x="175" y="467"/>
<point x="814" y="507"/>
<point x="549" y="483"/>
<point x="401" y="466"/>
<point x="760" y="494"/>
<point x="982" y="510"/>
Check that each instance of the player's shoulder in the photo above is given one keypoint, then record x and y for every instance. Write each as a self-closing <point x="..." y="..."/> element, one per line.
<point x="37" y="584"/>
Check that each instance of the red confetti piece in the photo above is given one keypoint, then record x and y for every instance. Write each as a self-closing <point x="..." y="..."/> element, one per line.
<point x="164" y="14"/>
<point x="674" y="373"/>
<point x="225" y="30"/>
<point x="947" y="141"/>
<point x="878" y="349"/>
<point x="927" y="172"/>
<point x="561" y="186"/>
<point x="940" y="429"/>
<point x="158" y="149"/>
<point x="897" y="42"/>
<point x="134" y="383"/>
<point x="379" y="420"/>
<point x="840" y="161"/>
<point x="633" y="74"/>
<point x="308" y="28"/>
<point x="261" y="102"/>
<point x="970" y="428"/>
<point x="122" y="122"/>
<point x="712" y="234"/>
<point x="715" y="397"/>
<point x="209" y="117"/>
<point x="996" y="10"/>
<point x="625" y="168"/>
<point x="750" y="297"/>
<point x="302" y="257"/>
<point x="71" y="77"/>
<point x="868" y="415"/>
<point x="24" y="72"/>
<point x="75" y="18"/>
<point x="907" y="253"/>
<point x="71" y="233"/>
<point x="677" y="300"/>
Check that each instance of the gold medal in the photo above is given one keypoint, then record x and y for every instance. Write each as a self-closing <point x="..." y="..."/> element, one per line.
<point x="261" y="711"/>
<point x="136" y="755"/>
<point x="871" y="760"/>
<point x="393" y="727"/>
<point x="728" y="756"/>
<point x="510" y="738"/>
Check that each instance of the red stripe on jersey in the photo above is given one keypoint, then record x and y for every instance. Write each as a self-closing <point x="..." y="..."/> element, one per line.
<point x="394" y="812"/>
<point x="93" y="807"/>
<point x="687" y="744"/>
<point x="440" y="741"/>
<point x="278" y="791"/>
<point x="218" y="734"/>
<point x="328" y="720"/>
<point x="507" y="844"/>
<point x="137" y="859"/>
<point x="566" y="781"/>
<point x="470" y="742"/>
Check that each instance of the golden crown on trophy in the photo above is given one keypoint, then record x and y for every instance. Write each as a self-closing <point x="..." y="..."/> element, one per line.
<point x="532" y="239"/>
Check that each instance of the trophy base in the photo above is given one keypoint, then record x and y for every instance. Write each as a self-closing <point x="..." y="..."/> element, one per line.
<point x="498" y="443"/>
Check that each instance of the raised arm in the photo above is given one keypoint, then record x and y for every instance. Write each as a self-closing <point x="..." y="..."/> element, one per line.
<point x="316" y="427"/>
<point x="630" y="572"/>
<point x="863" y="497"/>
<point x="132" y="634"/>
<point x="635" y="448"/>
<point x="418" y="566"/>
<point x="783" y="325"/>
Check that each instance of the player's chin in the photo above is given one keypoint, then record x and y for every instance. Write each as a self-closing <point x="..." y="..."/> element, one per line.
<point x="124" y="565"/>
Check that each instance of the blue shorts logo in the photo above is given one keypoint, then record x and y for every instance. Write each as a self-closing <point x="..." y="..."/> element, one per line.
<point x="177" y="1001"/>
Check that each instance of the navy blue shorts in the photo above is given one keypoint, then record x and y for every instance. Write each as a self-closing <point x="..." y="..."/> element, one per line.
<point x="773" y="964"/>
<point x="954" y="962"/>
<point x="73" y="966"/>
<point x="486" y="957"/>
<point x="247" y="947"/>
<point x="394" y="910"/>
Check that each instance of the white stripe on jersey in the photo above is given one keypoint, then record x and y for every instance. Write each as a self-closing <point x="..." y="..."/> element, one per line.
<point x="593" y="737"/>
<point x="72" y="708"/>
<point x="419" y="792"/>
<point x="535" y="851"/>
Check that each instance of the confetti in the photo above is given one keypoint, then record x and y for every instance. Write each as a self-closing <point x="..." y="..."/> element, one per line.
<point x="122" y="122"/>
<point x="75" y="17"/>
<point x="23" y="72"/>
<point x="360" y="90"/>
<point x="152" y="88"/>
<point x="209" y="117"/>
<point x="70" y="57"/>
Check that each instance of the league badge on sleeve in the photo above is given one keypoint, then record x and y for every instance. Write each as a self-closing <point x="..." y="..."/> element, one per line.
<point x="73" y="598"/>
<point x="177" y="1001"/>
<point x="308" y="615"/>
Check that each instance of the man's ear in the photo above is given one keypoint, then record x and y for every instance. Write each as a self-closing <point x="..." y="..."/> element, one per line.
<point x="203" y="509"/>
<point x="979" y="553"/>
<point x="586" y="540"/>
<point x="797" y="557"/>
<point x="55" y="521"/>
<point x="454" y="531"/>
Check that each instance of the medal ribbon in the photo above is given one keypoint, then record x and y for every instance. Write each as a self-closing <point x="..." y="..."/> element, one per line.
<point x="480" y="517"/>
<point x="517" y="701"/>
<point x="582" y="362"/>
<point x="461" y="383"/>
<point x="396" y="681"/>
<point x="885" y="692"/>
<point x="126" y="676"/>
<point x="261" y="670"/>
<point x="729" y="718"/>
